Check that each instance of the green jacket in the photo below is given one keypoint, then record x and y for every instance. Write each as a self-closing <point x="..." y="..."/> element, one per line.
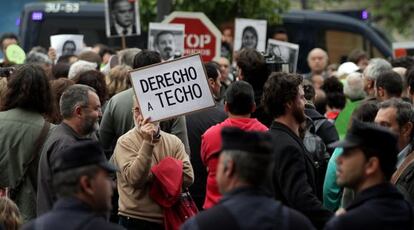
<point x="19" y="130"/>
<point x="342" y="121"/>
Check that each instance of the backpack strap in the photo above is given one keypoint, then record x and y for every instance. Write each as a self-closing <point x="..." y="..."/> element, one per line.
<point x="222" y="217"/>
<point x="407" y="162"/>
<point x="319" y="123"/>
<point x="26" y="166"/>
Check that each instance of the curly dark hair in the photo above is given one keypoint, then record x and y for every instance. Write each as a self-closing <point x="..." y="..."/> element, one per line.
<point x="96" y="80"/>
<point x="146" y="57"/>
<point x="332" y="85"/>
<point x="280" y="89"/>
<point x="253" y="67"/>
<point x="28" y="88"/>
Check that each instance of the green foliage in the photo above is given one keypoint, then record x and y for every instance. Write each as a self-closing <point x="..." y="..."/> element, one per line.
<point x="397" y="14"/>
<point x="220" y="11"/>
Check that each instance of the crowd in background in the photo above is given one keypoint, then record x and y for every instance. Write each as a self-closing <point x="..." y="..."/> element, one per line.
<point x="70" y="125"/>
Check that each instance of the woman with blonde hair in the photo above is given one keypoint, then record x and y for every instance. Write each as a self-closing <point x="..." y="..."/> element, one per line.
<point x="118" y="79"/>
<point x="10" y="218"/>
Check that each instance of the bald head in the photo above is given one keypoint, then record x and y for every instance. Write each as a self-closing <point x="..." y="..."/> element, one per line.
<point x="317" y="60"/>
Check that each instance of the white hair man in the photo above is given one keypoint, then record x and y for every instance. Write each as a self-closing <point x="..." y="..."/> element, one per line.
<point x="375" y="67"/>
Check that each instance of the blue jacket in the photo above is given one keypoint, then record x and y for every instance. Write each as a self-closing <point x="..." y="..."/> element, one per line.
<point x="70" y="213"/>
<point x="248" y="208"/>
<point x="377" y="207"/>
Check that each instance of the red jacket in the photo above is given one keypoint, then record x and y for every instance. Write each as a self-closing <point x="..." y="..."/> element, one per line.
<point x="211" y="146"/>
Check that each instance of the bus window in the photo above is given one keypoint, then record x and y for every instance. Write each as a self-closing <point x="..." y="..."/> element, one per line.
<point x="340" y="43"/>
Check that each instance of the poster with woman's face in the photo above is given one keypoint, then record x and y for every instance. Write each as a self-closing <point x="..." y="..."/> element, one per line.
<point x="250" y="33"/>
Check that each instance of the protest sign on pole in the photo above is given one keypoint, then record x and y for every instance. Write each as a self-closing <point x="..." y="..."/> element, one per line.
<point x="172" y="88"/>
<point x="122" y="18"/>
<point x="67" y="44"/>
<point x="167" y="39"/>
<point x="250" y="33"/>
<point x="284" y="53"/>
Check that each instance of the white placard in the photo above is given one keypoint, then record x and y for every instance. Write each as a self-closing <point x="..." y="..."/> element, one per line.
<point x="167" y="39"/>
<point x="250" y="33"/>
<point x="67" y="44"/>
<point x="284" y="52"/>
<point x="172" y="88"/>
<point x="122" y="18"/>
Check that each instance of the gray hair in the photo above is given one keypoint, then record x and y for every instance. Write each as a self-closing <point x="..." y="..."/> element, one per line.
<point x="375" y="67"/>
<point x="38" y="58"/>
<point x="66" y="183"/>
<point x="404" y="110"/>
<point x="79" y="67"/>
<point x="126" y="56"/>
<point x="251" y="168"/>
<point x="73" y="96"/>
<point x="354" y="87"/>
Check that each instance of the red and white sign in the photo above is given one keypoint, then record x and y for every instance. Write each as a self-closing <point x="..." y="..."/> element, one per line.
<point x="403" y="49"/>
<point x="201" y="35"/>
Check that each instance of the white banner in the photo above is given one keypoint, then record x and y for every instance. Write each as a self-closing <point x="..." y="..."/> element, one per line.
<point x="250" y="33"/>
<point x="172" y="88"/>
<point x="67" y="44"/>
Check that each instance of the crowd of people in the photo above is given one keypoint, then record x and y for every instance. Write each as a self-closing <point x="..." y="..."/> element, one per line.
<point x="328" y="149"/>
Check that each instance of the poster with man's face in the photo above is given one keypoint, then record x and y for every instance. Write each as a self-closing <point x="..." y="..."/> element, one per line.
<point x="67" y="44"/>
<point x="167" y="39"/>
<point x="122" y="18"/>
<point x="284" y="52"/>
<point x="250" y="33"/>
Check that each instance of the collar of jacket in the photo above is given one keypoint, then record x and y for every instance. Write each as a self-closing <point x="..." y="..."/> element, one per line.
<point x="245" y="190"/>
<point x="281" y="127"/>
<point x="377" y="191"/>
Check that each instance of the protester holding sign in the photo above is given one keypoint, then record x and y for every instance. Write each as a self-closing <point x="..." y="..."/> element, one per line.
<point x="135" y="154"/>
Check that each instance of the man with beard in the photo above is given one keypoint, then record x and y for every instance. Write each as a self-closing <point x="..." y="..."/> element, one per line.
<point x="293" y="175"/>
<point x="165" y="44"/>
<point x="81" y="109"/>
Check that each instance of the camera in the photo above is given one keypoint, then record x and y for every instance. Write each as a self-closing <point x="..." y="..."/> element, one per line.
<point x="6" y="71"/>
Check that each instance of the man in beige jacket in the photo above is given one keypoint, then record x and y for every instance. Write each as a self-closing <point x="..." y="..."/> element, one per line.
<point x="135" y="153"/>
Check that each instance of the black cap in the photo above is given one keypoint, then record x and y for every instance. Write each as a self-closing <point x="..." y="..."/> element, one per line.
<point x="252" y="142"/>
<point x="82" y="153"/>
<point x="379" y="139"/>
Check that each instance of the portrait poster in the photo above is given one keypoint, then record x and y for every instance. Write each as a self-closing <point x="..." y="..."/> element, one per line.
<point x="250" y="33"/>
<point x="284" y="52"/>
<point x="167" y="39"/>
<point x="67" y="44"/>
<point x="122" y="18"/>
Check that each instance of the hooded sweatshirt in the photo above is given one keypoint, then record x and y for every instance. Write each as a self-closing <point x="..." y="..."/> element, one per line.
<point x="211" y="147"/>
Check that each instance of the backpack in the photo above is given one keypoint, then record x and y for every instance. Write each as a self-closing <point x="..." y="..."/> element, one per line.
<point x="317" y="150"/>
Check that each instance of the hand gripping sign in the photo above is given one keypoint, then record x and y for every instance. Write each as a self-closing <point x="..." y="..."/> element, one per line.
<point x="172" y="88"/>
